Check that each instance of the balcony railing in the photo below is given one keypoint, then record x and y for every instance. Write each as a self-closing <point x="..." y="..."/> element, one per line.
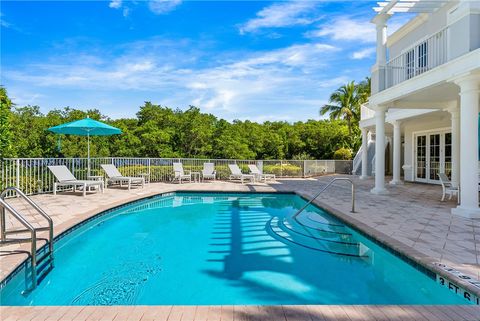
<point x="417" y="59"/>
<point x="366" y="113"/>
<point x="32" y="176"/>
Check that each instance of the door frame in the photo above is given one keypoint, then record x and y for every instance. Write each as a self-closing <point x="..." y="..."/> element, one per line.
<point x="442" y="131"/>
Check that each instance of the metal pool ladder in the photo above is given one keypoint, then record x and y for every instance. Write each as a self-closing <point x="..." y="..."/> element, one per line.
<point x="47" y="257"/>
<point x="324" y="189"/>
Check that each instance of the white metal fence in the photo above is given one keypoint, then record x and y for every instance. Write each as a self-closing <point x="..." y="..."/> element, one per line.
<point x="33" y="177"/>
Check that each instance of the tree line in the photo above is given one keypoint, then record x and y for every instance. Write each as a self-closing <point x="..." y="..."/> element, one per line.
<point x="160" y="131"/>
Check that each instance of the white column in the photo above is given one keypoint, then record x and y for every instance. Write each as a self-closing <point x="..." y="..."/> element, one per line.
<point x="397" y="150"/>
<point x="379" y="150"/>
<point x="469" y="107"/>
<point x="381" y="27"/>
<point x="364" y="153"/>
<point x="455" y="113"/>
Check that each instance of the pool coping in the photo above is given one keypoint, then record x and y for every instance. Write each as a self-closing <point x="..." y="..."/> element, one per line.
<point x="421" y="262"/>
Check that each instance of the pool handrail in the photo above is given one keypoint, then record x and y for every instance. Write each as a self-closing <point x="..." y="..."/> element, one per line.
<point x="28" y="228"/>
<point x="324" y="189"/>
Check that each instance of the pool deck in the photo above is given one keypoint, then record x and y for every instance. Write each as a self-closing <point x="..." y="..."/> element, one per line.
<point x="410" y="219"/>
<point x="244" y="313"/>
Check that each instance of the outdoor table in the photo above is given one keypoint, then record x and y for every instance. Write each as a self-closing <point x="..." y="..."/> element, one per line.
<point x="146" y="177"/>
<point x="196" y="177"/>
<point x="95" y="178"/>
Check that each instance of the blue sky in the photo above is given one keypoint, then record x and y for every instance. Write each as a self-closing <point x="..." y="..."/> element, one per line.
<point x="237" y="60"/>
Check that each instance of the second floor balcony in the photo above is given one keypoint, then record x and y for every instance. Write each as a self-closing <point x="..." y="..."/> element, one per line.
<point x="421" y="57"/>
<point x="443" y="32"/>
<point x="417" y="59"/>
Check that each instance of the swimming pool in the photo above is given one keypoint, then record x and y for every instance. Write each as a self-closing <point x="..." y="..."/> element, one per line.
<point x="216" y="249"/>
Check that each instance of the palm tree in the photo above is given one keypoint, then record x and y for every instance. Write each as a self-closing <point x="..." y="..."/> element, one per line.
<point x="344" y="104"/>
<point x="364" y="89"/>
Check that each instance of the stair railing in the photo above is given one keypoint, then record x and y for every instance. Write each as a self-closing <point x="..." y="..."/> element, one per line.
<point x="4" y="240"/>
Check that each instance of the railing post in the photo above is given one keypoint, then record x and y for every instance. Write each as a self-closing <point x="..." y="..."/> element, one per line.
<point x="17" y="181"/>
<point x="149" y="162"/>
<point x="304" y="168"/>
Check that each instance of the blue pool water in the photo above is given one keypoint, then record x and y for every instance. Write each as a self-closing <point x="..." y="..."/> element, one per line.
<point x="191" y="248"/>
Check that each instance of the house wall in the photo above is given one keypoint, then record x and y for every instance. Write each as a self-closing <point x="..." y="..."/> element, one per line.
<point x="441" y="121"/>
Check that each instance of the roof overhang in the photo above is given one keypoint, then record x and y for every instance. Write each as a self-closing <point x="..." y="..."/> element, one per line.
<point x="411" y="6"/>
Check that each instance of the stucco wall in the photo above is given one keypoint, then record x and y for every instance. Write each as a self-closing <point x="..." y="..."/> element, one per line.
<point x="440" y="121"/>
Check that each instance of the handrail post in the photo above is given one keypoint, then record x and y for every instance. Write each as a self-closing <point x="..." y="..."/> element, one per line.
<point x="3" y="234"/>
<point x="34" y="258"/>
<point x="353" y="197"/>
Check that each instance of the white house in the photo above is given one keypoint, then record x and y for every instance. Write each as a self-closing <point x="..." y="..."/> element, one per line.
<point x="424" y="107"/>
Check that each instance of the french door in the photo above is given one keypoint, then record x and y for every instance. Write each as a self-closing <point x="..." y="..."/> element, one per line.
<point x="433" y="155"/>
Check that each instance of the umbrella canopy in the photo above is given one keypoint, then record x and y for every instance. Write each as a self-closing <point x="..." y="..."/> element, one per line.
<point x="86" y="127"/>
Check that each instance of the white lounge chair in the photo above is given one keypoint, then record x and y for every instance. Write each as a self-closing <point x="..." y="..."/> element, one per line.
<point x="209" y="171"/>
<point x="114" y="176"/>
<point x="180" y="174"/>
<point x="236" y="173"/>
<point x="65" y="178"/>
<point x="447" y="187"/>
<point x="258" y="174"/>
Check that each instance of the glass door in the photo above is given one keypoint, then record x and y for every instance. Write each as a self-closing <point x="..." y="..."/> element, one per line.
<point x="433" y="155"/>
<point x="421" y="162"/>
<point x="448" y="155"/>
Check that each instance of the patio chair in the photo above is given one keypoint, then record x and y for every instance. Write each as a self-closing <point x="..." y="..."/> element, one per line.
<point x="236" y="173"/>
<point x="209" y="171"/>
<point x="258" y="174"/>
<point x="65" y="178"/>
<point x="114" y="176"/>
<point x="180" y="174"/>
<point x="447" y="187"/>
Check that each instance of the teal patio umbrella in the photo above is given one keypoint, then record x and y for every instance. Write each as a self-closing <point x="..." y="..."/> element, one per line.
<point x="86" y="127"/>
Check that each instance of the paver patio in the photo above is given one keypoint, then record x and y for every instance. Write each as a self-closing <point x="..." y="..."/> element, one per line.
<point x="411" y="219"/>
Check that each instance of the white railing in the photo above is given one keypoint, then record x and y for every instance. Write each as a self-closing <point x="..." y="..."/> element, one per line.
<point x="417" y="59"/>
<point x="32" y="176"/>
<point x="366" y="113"/>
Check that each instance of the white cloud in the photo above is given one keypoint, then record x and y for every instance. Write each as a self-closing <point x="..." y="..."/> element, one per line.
<point x="347" y="28"/>
<point x="234" y="88"/>
<point x="4" y="23"/>
<point x="115" y="4"/>
<point x="363" y="53"/>
<point x="157" y="7"/>
<point x="282" y="15"/>
<point x="163" y="6"/>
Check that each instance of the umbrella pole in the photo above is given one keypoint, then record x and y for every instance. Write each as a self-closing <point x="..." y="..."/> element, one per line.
<point x="88" y="154"/>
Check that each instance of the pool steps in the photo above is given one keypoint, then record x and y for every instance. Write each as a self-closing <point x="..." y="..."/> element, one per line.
<point x="283" y="231"/>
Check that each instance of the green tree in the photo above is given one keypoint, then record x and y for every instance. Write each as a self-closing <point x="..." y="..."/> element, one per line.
<point x="159" y="131"/>
<point x="5" y="126"/>
<point x="364" y="89"/>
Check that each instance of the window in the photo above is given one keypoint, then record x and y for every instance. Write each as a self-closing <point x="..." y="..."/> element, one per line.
<point x="422" y="51"/>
